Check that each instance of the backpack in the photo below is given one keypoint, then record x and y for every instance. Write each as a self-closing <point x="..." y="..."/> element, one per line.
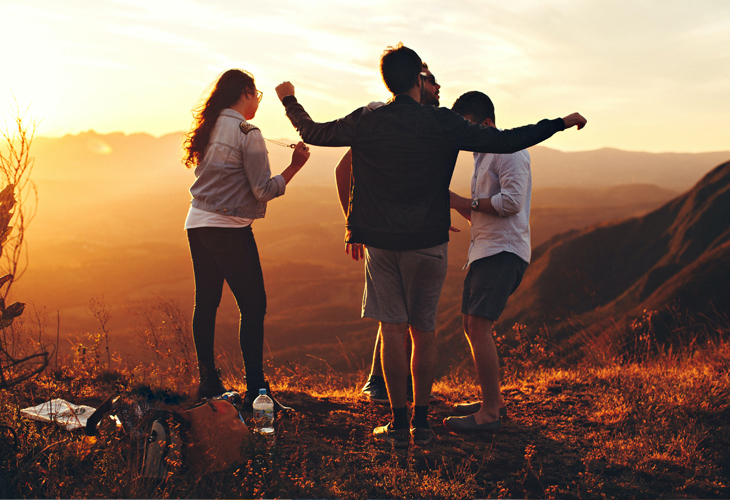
<point x="207" y="437"/>
<point x="162" y="452"/>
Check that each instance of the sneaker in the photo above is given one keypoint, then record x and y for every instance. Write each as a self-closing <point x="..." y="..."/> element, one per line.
<point x="422" y="436"/>
<point x="375" y="390"/>
<point x="399" y="438"/>
<point x="210" y="383"/>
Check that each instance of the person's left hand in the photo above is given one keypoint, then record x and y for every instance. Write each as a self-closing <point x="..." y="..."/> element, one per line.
<point x="300" y="155"/>
<point x="454" y="229"/>
<point x="358" y="250"/>
<point x="284" y="89"/>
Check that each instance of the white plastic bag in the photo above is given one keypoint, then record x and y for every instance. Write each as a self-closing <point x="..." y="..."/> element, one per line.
<point x="68" y="415"/>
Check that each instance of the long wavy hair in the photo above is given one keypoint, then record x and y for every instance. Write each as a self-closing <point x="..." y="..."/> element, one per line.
<point x="226" y="93"/>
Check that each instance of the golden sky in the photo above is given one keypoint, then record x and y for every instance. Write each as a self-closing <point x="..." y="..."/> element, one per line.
<point x="651" y="75"/>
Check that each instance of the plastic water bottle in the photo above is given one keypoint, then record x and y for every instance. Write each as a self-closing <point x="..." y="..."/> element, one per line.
<point x="263" y="415"/>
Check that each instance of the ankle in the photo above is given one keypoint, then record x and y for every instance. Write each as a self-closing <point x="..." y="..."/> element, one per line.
<point x="400" y="418"/>
<point x="420" y="417"/>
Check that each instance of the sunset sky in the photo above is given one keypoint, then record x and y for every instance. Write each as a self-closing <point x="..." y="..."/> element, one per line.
<point x="649" y="75"/>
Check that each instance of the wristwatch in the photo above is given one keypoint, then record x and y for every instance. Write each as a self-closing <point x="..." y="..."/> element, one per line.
<point x="475" y="204"/>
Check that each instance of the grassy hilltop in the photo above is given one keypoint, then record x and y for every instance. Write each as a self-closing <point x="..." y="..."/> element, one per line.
<point x="652" y="423"/>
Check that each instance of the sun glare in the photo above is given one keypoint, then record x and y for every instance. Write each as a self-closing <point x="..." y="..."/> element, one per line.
<point x="98" y="146"/>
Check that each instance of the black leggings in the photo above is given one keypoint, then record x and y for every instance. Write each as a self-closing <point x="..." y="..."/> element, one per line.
<point x="229" y="254"/>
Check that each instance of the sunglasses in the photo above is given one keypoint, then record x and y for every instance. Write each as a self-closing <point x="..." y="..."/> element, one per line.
<point x="429" y="78"/>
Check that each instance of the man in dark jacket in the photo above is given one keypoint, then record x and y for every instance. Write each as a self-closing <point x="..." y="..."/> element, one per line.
<point x="374" y="388"/>
<point x="403" y="157"/>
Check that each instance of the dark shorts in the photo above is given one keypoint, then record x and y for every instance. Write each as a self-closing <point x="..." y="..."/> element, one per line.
<point x="489" y="283"/>
<point x="404" y="286"/>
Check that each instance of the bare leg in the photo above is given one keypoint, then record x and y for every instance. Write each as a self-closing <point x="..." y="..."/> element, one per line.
<point x="395" y="362"/>
<point x="423" y="365"/>
<point x="478" y="331"/>
<point x="376" y="368"/>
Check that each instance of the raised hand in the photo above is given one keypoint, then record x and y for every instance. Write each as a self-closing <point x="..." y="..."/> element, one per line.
<point x="575" y="120"/>
<point x="284" y="89"/>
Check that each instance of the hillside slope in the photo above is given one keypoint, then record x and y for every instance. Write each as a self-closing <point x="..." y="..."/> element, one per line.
<point x="596" y="279"/>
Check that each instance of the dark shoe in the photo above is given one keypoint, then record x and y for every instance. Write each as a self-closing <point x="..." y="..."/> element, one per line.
<point x="372" y="383"/>
<point x="469" y="424"/>
<point x="422" y="436"/>
<point x="210" y="383"/>
<point x="470" y="408"/>
<point x="399" y="438"/>
<point x="250" y="396"/>
<point x="375" y="390"/>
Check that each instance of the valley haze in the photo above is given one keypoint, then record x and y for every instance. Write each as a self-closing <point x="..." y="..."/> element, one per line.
<point x="111" y="210"/>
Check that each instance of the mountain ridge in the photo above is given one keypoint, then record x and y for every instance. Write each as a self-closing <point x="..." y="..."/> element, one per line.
<point x="597" y="280"/>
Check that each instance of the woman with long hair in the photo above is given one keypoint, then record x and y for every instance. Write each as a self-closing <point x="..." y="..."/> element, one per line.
<point x="232" y="185"/>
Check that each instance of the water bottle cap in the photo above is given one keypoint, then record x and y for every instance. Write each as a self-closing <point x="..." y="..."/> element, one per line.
<point x="262" y="392"/>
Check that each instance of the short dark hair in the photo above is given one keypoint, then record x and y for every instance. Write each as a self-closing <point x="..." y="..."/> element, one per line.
<point x="476" y="104"/>
<point x="400" y="66"/>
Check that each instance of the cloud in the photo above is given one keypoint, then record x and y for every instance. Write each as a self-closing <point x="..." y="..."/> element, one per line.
<point x="95" y="63"/>
<point x="16" y="11"/>
<point x="154" y="35"/>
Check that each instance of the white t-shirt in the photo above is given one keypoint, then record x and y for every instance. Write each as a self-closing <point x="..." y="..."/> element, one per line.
<point x="201" y="218"/>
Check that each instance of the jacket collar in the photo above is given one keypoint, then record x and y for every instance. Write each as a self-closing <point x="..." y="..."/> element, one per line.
<point x="232" y="114"/>
<point x="404" y="98"/>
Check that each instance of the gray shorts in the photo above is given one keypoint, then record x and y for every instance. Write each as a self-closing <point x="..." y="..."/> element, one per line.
<point x="489" y="283"/>
<point x="404" y="286"/>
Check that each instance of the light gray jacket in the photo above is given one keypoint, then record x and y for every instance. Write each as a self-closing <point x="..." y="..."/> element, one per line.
<point x="234" y="177"/>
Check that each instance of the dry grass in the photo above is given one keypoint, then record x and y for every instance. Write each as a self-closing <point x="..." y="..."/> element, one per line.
<point x="656" y="427"/>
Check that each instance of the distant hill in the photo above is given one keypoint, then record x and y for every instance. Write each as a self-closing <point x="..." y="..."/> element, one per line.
<point x="605" y="167"/>
<point x="591" y="283"/>
<point x="137" y="157"/>
<point x="110" y="220"/>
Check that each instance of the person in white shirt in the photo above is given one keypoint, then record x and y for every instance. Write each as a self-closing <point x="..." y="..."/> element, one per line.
<point x="499" y="253"/>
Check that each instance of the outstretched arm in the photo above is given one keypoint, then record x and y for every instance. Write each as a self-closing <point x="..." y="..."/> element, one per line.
<point x="467" y="136"/>
<point x="335" y="133"/>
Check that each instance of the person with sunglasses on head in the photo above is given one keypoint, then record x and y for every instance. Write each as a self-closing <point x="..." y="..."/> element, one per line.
<point x="374" y="387"/>
<point x="403" y="158"/>
<point x="233" y="183"/>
